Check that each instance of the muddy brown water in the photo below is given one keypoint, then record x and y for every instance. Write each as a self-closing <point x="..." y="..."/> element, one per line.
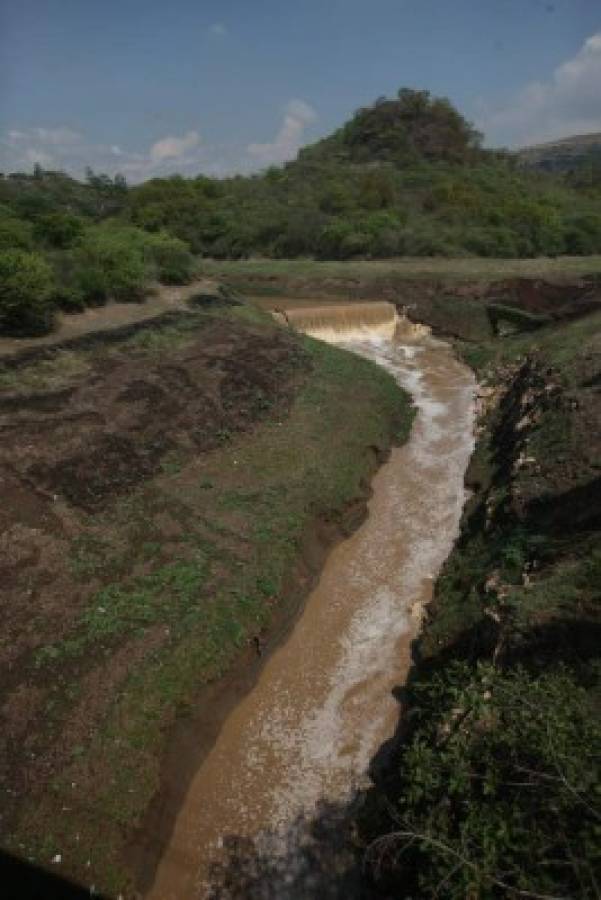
<point x="324" y="702"/>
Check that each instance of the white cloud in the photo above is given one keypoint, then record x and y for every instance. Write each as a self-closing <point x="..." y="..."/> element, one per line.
<point x="290" y="136"/>
<point x="56" y="136"/>
<point x="63" y="148"/>
<point x="67" y="150"/>
<point x="569" y="102"/>
<point x="218" y="29"/>
<point x="174" y="147"/>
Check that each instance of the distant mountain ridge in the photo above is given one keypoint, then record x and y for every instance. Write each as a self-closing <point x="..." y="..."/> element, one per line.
<point x="562" y="155"/>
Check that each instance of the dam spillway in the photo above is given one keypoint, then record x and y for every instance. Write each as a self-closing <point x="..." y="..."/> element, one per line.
<point x="340" y="323"/>
<point x="343" y="322"/>
<point x="324" y="703"/>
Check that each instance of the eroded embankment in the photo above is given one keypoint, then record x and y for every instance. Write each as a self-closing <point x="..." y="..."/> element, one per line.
<point x="493" y="787"/>
<point x="303" y="738"/>
<point x="160" y="492"/>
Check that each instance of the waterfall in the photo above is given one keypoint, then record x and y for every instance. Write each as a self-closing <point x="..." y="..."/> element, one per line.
<point x="350" y="321"/>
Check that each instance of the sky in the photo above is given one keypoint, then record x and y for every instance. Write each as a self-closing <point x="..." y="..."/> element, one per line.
<point x="150" y="87"/>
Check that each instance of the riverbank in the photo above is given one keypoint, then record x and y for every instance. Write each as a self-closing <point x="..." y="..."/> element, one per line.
<point x="401" y="269"/>
<point x="466" y="299"/>
<point x="303" y="738"/>
<point x="171" y="497"/>
<point x="492" y="788"/>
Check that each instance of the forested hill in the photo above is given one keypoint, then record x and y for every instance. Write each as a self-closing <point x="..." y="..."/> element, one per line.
<point x="405" y="131"/>
<point x="404" y="177"/>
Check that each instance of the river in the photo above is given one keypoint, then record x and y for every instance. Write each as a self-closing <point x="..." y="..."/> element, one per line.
<point x="324" y="703"/>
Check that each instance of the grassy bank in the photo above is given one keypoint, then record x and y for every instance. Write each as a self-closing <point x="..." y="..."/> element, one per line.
<point x="284" y="273"/>
<point x="160" y="582"/>
<point x="493" y="790"/>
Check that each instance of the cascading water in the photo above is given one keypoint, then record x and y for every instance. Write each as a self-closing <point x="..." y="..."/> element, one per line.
<point x="324" y="704"/>
<point x="339" y="323"/>
<point x="353" y="322"/>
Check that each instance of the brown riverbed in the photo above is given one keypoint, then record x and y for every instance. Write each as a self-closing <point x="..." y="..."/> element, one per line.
<point x="324" y="702"/>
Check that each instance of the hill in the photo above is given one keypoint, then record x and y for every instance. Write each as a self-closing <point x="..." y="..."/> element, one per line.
<point x="404" y="177"/>
<point x="564" y="155"/>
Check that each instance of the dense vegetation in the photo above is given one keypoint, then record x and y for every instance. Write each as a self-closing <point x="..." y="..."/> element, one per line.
<point x="495" y="785"/>
<point x="63" y="245"/>
<point x="404" y="177"/>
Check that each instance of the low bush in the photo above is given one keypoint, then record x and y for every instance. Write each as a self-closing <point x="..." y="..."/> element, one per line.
<point x="15" y="234"/>
<point x="26" y="287"/>
<point x="430" y="239"/>
<point x="384" y="232"/>
<point x="172" y="258"/>
<point x="299" y="232"/>
<point x="119" y="262"/>
<point x="58" y="229"/>
<point x="497" y="791"/>
<point x="583" y="234"/>
<point x="492" y="241"/>
<point x="342" y="239"/>
<point x="110" y="262"/>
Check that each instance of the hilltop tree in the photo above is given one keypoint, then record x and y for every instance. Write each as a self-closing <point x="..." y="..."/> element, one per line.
<point x="413" y="126"/>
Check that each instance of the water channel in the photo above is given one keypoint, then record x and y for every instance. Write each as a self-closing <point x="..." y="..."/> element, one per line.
<point x="324" y="703"/>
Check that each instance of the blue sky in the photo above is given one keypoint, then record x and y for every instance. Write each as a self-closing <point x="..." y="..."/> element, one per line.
<point x="147" y="87"/>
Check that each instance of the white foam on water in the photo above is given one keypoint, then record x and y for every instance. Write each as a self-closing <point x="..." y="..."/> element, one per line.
<point x="315" y="743"/>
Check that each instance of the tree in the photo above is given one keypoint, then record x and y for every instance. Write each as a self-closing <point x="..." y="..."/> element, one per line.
<point x="415" y="125"/>
<point x="110" y="194"/>
<point x="26" y="285"/>
<point x="58" y="229"/>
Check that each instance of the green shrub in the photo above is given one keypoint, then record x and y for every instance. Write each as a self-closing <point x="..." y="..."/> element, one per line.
<point x="583" y="234"/>
<point x="69" y="298"/>
<point x="538" y="226"/>
<point x="383" y="230"/>
<point x="492" y="241"/>
<point x="341" y="239"/>
<point x="335" y="199"/>
<point x="299" y="234"/>
<point x="498" y="789"/>
<point x="173" y="260"/>
<point x="15" y="234"/>
<point x="58" y="229"/>
<point x="111" y="262"/>
<point x="429" y="239"/>
<point x="26" y="286"/>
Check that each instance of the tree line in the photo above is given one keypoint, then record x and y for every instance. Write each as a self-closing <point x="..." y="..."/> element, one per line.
<point x="404" y="177"/>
